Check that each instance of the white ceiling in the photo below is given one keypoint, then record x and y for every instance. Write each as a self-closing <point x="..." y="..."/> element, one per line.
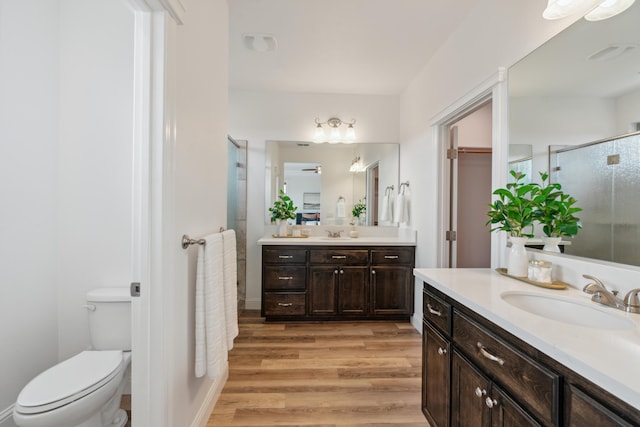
<point x="338" y="46"/>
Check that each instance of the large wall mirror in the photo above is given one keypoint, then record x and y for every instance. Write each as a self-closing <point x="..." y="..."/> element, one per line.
<point x="326" y="180"/>
<point x="576" y="102"/>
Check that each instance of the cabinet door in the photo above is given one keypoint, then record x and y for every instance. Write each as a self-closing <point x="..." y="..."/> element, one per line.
<point x="582" y="410"/>
<point x="506" y="413"/>
<point x="436" y="369"/>
<point x="390" y="286"/>
<point x="469" y="389"/>
<point x="323" y="282"/>
<point x="353" y="283"/>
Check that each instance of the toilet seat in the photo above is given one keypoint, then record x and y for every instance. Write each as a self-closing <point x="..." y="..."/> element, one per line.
<point x="70" y="380"/>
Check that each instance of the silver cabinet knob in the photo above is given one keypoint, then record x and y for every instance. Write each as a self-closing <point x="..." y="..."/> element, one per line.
<point x="442" y="351"/>
<point x="480" y="392"/>
<point x="490" y="402"/>
<point x="335" y="271"/>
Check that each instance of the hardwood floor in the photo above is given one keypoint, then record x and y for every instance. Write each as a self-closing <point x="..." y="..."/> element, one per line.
<point x="322" y="374"/>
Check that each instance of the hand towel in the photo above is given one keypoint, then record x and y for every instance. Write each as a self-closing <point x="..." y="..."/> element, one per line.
<point x="230" y="261"/>
<point x="400" y="208"/>
<point x="212" y="353"/>
<point x="384" y="216"/>
<point x="341" y="210"/>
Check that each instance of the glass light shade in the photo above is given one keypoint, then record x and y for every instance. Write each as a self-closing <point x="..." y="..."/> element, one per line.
<point x="607" y="9"/>
<point x="557" y="9"/>
<point x="318" y="135"/>
<point x="350" y="134"/>
<point x="335" y="135"/>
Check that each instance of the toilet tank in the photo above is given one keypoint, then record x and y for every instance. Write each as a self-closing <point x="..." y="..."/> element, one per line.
<point x="110" y="318"/>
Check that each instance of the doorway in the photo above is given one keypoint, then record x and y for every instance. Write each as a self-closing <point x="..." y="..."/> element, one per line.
<point x="469" y="160"/>
<point x="237" y="208"/>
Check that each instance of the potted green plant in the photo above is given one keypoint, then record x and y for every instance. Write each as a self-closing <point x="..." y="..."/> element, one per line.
<point x="283" y="209"/>
<point x="514" y="212"/>
<point x="554" y="210"/>
<point x="359" y="209"/>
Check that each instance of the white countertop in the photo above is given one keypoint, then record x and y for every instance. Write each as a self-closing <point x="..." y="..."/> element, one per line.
<point x="342" y="241"/>
<point x="608" y="358"/>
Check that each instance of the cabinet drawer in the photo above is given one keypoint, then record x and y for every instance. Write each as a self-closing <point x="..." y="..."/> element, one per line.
<point x="289" y="304"/>
<point x="284" y="277"/>
<point x="437" y="312"/>
<point x="339" y="256"/>
<point x="392" y="256"/>
<point x="512" y="370"/>
<point x="284" y="256"/>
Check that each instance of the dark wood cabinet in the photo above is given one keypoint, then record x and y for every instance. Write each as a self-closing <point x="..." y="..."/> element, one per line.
<point x="436" y="373"/>
<point x="337" y="283"/>
<point x="496" y="379"/>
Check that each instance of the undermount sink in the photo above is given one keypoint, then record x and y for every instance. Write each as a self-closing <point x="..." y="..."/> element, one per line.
<point x="566" y="310"/>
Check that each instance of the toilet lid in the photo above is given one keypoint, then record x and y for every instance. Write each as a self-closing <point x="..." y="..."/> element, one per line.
<point x="69" y="380"/>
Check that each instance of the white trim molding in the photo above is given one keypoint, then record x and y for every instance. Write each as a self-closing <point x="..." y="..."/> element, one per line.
<point x="202" y="417"/>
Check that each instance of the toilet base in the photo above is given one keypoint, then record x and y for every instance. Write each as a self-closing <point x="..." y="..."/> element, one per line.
<point x="119" y="419"/>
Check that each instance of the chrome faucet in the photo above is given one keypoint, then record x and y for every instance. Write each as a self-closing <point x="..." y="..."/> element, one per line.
<point x="335" y="234"/>
<point x="602" y="295"/>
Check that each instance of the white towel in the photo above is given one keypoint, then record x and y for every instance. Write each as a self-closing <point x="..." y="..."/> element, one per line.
<point x="341" y="210"/>
<point x="211" y="343"/>
<point x="387" y="207"/>
<point x="400" y="208"/>
<point x="230" y="286"/>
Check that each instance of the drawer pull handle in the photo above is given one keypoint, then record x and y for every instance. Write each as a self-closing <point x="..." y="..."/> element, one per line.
<point x="339" y="256"/>
<point x="491" y="402"/>
<point x="486" y="354"/>
<point x="434" y="311"/>
<point x="285" y="304"/>
<point x="480" y="392"/>
<point x="285" y="277"/>
<point x="442" y="351"/>
<point x="285" y="256"/>
<point x="391" y="257"/>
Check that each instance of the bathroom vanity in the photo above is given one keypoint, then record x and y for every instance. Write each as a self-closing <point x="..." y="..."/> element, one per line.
<point x="337" y="279"/>
<point x="491" y="354"/>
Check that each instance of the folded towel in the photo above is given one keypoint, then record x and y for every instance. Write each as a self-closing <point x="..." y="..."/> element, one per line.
<point x="384" y="216"/>
<point x="211" y="345"/>
<point x="230" y="286"/>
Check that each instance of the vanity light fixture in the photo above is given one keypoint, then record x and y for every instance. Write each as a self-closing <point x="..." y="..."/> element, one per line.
<point x="597" y="9"/>
<point x="334" y="124"/>
<point x="356" y="165"/>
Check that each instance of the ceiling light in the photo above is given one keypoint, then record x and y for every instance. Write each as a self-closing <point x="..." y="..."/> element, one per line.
<point x="335" y="137"/>
<point x="607" y="9"/>
<point x="259" y="42"/>
<point x="357" y="165"/>
<point x="557" y="9"/>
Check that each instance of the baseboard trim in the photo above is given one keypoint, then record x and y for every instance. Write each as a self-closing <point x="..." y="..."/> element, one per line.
<point x="202" y="417"/>
<point x="6" y="415"/>
<point x="252" y="304"/>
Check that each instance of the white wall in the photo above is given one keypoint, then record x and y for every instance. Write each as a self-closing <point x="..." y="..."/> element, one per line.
<point x="261" y="116"/>
<point x="195" y="191"/>
<point x="28" y="189"/>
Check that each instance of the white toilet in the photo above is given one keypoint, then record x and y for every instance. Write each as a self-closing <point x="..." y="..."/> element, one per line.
<point x="85" y="390"/>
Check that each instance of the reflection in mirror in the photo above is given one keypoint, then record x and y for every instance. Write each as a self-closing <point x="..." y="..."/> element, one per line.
<point x="520" y="160"/>
<point x="326" y="180"/>
<point x="582" y="86"/>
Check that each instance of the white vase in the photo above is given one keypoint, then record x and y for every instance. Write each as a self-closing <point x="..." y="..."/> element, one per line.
<point x="551" y="244"/>
<point x="283" y="228"/>
<point x="518" y="259"/>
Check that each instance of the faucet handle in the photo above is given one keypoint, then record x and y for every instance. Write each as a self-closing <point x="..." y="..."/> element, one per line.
<point x="632" y="299"/>
<point x="592" y="288"/>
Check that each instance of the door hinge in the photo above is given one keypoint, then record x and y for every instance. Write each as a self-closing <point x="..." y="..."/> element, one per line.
<point x="450" y="235"/>
<point x="452" y="153"/>
<point x="135" y="289"/>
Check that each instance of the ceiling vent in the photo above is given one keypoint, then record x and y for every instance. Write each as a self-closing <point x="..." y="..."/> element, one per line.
<point x="259" y="42"/>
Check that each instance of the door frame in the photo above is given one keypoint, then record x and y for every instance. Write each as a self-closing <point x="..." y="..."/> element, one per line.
<point x="151" y="403"/>
<point x="493" y="89"/>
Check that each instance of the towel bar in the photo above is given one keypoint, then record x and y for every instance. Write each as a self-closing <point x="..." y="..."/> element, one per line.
<point x="188" y="241"/>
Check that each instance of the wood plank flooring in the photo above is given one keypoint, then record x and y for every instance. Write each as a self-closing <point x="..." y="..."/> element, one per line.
<point x="322" y="374"/>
